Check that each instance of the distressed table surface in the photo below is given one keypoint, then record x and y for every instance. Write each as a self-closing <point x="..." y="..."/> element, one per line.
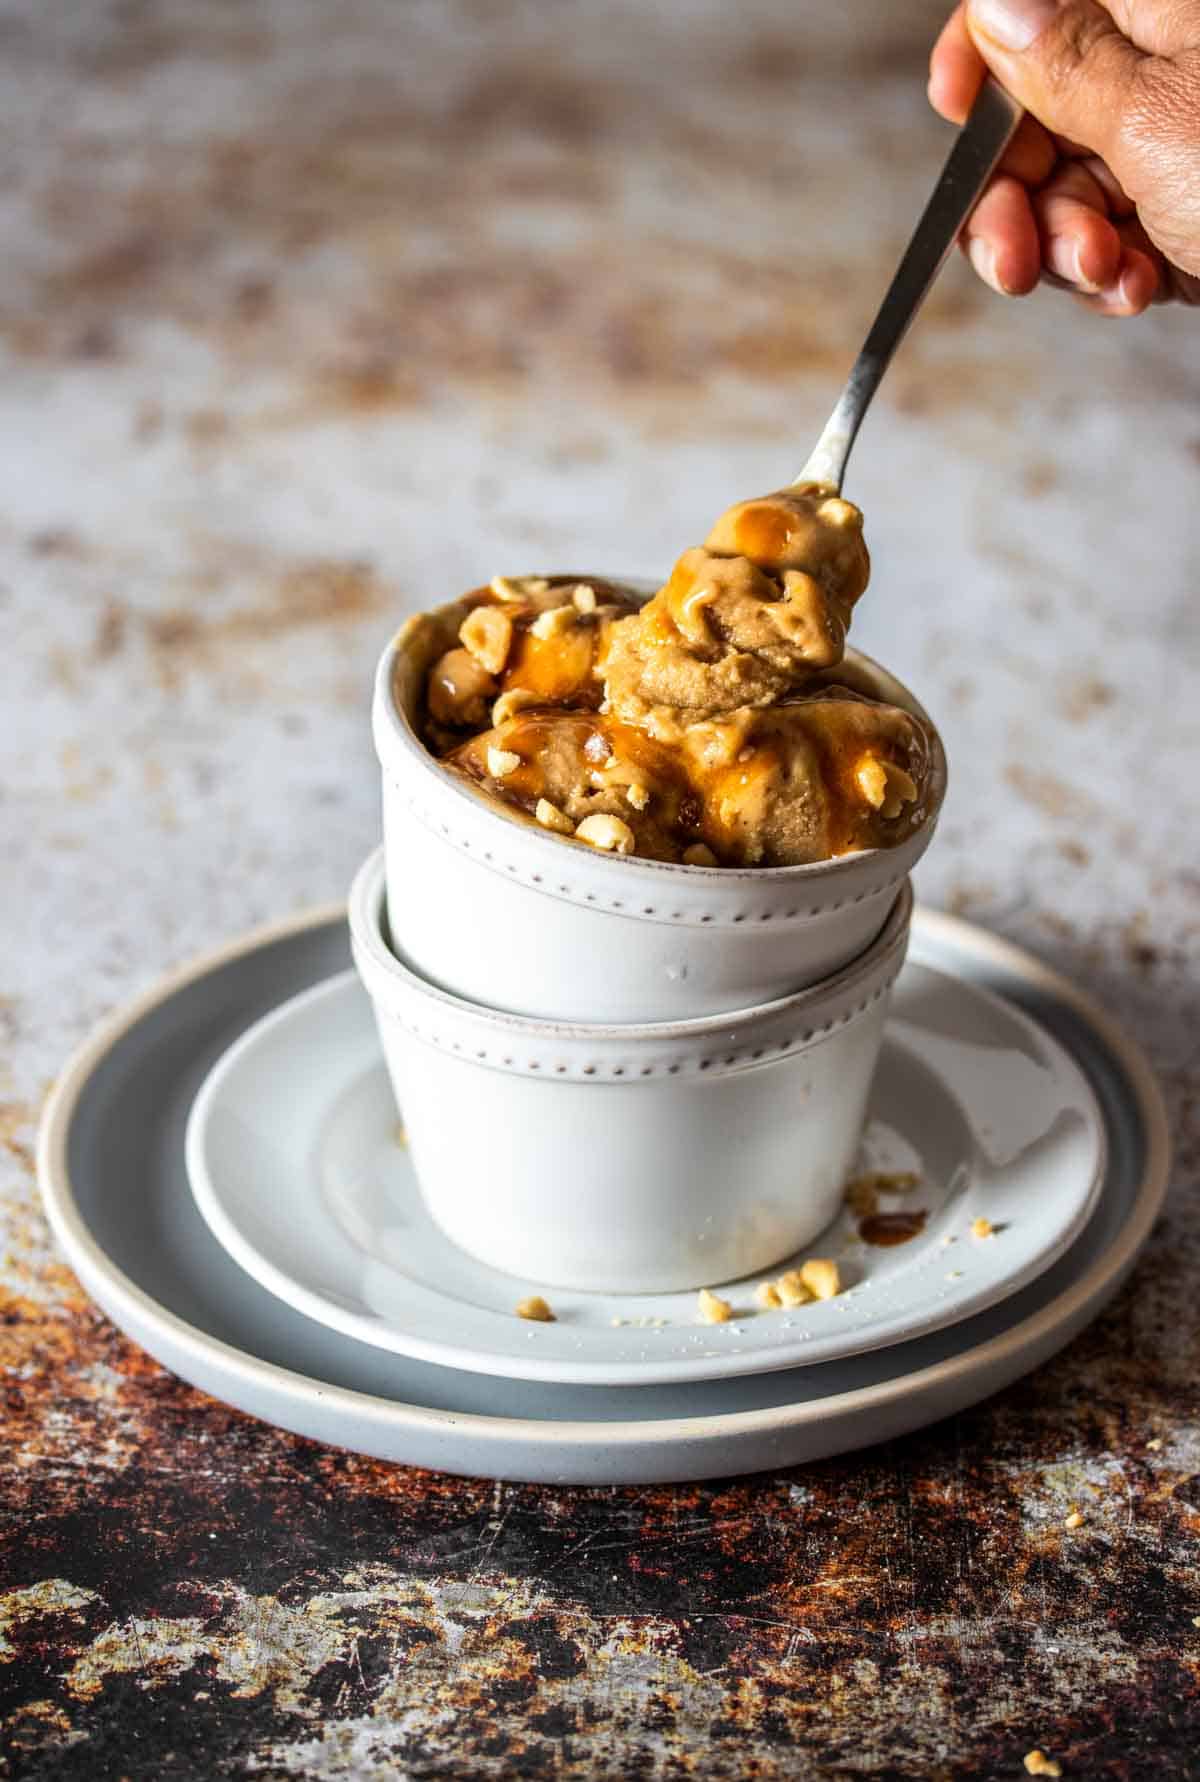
<point x="311" y="315"/>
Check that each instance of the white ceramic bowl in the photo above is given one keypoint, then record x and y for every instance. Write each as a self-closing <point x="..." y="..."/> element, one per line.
<point x="637" y="1158"/>
<point x="489" y="906"/>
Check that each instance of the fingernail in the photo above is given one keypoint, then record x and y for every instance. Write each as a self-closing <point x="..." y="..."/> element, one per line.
<point x="1013" y="24"/>
<point x="1063" y="259"/>
<point x="982" y="256"/>
<point x="1113" y="297"/>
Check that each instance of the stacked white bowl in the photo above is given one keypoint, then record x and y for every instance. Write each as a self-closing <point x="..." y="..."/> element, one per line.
<point x="619" y="1074"/>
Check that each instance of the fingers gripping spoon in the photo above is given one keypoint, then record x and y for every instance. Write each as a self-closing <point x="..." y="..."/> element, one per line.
<point x="981" y="142"/>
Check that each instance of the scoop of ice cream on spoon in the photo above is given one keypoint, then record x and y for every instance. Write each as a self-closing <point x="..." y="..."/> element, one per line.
<point x="766" y="601"/>
<point x="746" y="617"/>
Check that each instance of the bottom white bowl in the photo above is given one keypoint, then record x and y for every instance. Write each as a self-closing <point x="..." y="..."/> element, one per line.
<point x="629" y="1158"/>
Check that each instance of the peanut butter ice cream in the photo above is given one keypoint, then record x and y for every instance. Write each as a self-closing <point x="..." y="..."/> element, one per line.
<point x="707" y="726"/>
<point x="746" y="617"/>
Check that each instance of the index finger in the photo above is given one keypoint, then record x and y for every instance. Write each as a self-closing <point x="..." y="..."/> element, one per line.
<point x="956" y="71"/>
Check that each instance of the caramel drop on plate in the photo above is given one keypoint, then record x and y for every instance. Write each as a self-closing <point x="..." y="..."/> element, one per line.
<point x="885" y="1229"/>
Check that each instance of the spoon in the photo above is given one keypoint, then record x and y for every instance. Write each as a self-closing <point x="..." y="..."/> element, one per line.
<point x="979" y="146"/>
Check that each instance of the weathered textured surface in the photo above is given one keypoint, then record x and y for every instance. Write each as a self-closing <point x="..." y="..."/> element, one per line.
<point x="314" y="313"/>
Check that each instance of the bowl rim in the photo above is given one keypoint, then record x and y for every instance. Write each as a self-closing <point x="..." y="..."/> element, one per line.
<point x="392" y="727"/>
<point x="820" y="1007"/>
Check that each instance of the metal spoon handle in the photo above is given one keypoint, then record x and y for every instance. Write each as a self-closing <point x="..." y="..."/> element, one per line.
<point x="979" y="145"/>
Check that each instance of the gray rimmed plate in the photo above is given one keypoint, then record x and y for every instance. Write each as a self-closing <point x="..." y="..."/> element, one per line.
<point x="111" y="1159"/>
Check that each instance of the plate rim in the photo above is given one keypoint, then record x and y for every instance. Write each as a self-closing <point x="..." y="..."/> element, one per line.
<point x="308" y="1301"/>
<point x="92" y="1264"/>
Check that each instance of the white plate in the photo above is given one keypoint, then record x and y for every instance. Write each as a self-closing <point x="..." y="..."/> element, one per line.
<point x="294" y="1160"/>
<point x="111" y="1163"/>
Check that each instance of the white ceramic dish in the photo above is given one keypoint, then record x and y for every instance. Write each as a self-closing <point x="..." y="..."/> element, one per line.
<point x="497" y="910"/>
<point x="111" y="1165"/>
<point x="631" y="1158"/>
<point x="296" y="1166"/>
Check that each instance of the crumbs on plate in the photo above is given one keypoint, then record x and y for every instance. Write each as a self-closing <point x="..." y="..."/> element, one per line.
<point x="535" y="1309"/>
<point x="712" y="1308"/>
<point x="818" y="1278"/>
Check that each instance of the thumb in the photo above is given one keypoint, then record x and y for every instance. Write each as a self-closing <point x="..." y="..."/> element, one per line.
<point x="1067" y="63"/>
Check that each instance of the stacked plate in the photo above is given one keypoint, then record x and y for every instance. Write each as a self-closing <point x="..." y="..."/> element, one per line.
<point x="229" y="1171"/>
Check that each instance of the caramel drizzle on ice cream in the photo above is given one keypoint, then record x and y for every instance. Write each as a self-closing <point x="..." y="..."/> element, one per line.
<point x="710" y="721"/>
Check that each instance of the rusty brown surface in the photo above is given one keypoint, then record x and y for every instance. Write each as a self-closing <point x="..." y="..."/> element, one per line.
<point x="188" y="1593"/>
<point x="312" y="313"/>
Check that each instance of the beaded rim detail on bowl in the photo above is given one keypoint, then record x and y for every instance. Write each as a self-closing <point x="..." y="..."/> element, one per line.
<point x="570" y="1049"/>
<point x="753" y="886"/>
<point x="684" y="917"/>
<point x="806" y="1039"/>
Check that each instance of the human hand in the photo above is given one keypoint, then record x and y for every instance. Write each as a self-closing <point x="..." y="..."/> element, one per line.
<point x="1100" y="189"/>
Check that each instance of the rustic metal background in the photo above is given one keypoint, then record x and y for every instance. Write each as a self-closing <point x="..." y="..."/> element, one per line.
<point x="311" y="314"/>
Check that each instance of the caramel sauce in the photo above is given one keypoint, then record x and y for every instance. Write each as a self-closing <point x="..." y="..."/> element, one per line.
<point x="654" y="759"/>
<point x="537" y="736"/>
<point x="735" y="796"/>
<point x="555" y="668"/>
<point x="658" y="618"/>
<point x="764" y="533"/>
<point x="848" y="822"/>
<point x="885" y="1229"/>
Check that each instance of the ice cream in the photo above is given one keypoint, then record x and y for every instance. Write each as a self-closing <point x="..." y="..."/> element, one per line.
<point x="711" y="725"/>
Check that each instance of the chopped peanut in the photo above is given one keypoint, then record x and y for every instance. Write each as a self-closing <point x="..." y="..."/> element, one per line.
<point x="610" y="834"/>
<point x="637" y="795"/>
<point x="821" y="1277"/>
<point x="501" y="762"/>
<point x="459" y="689"/>
<point x="699" y="855"/>
<point x="517" y="587"/>
<point x="886" y="787"/>
<point x="517" y="699"/>
<point x="901" y="789"/>
<point x="584" y="597"/>
<point x="554" y="622"/>
<point x="815" y="1279"/>
<point x="838" y="512"/>
<point x="1074" y="1520"/>
<point x="535" y="1309"/>
<point x="871" y="780"/>
<point x="487" y="633"/>
<point x="550" y="817"/>
<point x="1038" y="1764"/>
<point x="713" y="1309"/>
<point x="792" y="1290"/>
